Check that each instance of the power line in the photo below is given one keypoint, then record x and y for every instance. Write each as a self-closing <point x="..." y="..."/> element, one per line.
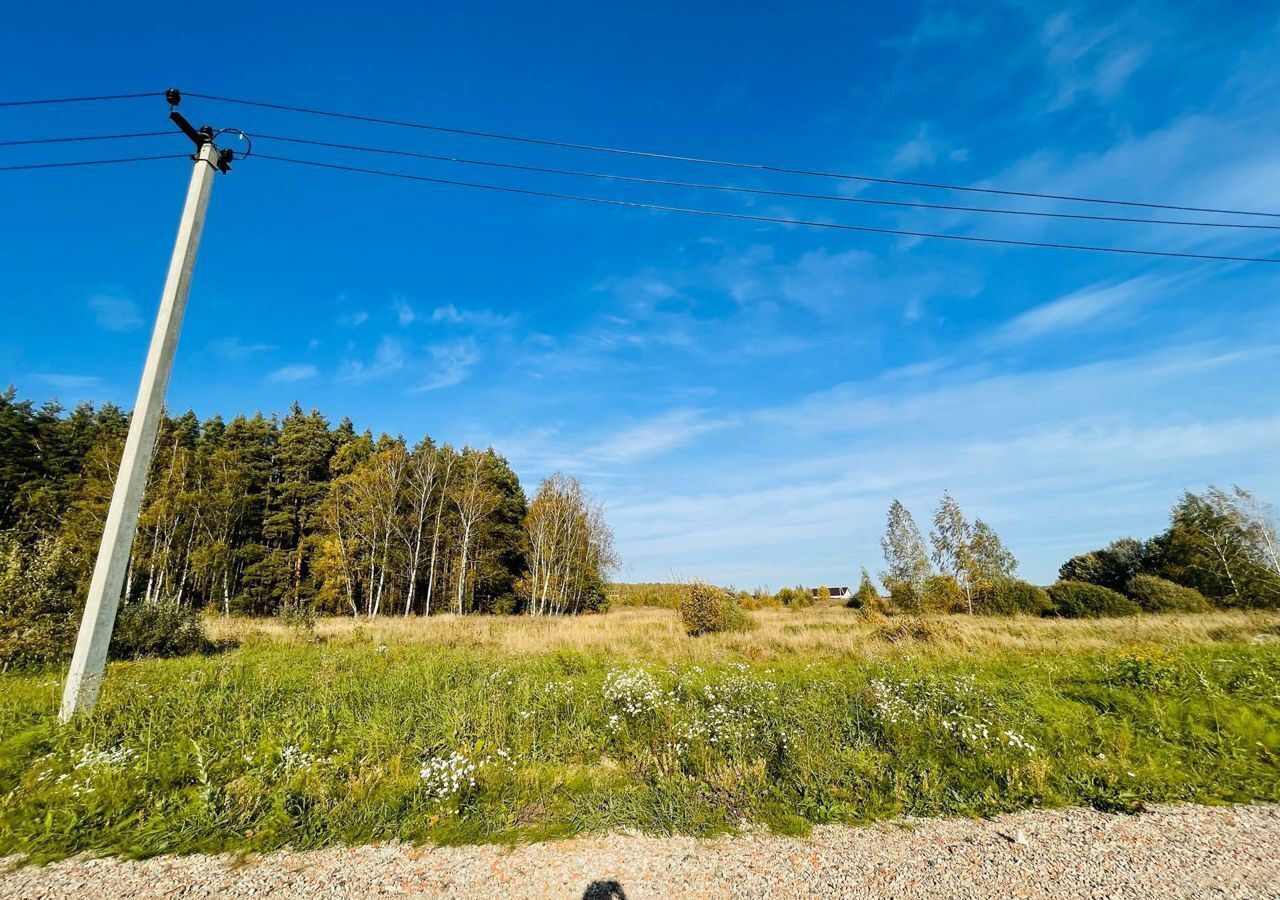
<point x="593" y="148"/>
<point x="92" y="162"/>
<point x="90" y="137"/>
<point x="772" y="219"/>
<point x="82" y="99"/>
<point x="758" y="191"/>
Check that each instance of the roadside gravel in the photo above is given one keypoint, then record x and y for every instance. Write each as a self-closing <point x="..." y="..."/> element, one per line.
<point x="1169" y="851"/>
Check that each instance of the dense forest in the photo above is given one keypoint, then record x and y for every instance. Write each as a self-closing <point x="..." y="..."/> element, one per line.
<point x="290" y="514"/>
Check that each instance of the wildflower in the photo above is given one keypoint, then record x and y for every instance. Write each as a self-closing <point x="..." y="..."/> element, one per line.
<point x="447" y="776"/>
<point x="633" y="691"/>
<point x="100" y="759"/>
<point x="294" y="759"/>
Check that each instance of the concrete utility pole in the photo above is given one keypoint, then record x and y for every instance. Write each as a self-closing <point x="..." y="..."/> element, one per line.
<point x="90" y="658"/>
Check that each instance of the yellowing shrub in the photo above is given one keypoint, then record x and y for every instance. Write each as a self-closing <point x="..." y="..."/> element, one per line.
<point x="705" y="609"/>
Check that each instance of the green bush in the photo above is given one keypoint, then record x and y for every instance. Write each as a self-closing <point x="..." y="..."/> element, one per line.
<point x="942" y="594"/>
<point x="40" y="613"/>
<point x="38" y="610"/>
<point x="761" y="600"/>
<point x="705" y="609"/>
<point x="866" y="596"/>
<point x="1081" y="600"/>
<point x="158" y="629"/>
<point x="1111" y="567"/>
<point x="1013" y="596"/>
<point x="1158" y="595"/>
<point x="904" y="597"/>
<point x="797" y="597"/>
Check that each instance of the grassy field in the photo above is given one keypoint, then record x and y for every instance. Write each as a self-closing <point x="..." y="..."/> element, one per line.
<point x="500" y="729"/>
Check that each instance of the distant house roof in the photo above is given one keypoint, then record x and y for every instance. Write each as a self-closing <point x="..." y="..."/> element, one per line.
<point x="834" y="591"/>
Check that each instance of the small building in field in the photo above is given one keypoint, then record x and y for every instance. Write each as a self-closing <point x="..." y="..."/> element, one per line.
<point x="837" y="593"/>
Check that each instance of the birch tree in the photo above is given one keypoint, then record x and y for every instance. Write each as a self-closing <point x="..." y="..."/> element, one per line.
<point x="972" y="554"/>
<point x="570" y="548"/>
<point x="473" y="500"/>
<point x="906" y="560"/>
<point x="447" y="462"/>
<point x="421" y="475"/>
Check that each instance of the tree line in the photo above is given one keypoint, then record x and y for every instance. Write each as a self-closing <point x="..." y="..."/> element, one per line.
<point x="974" y="570"/>
<point x="1220" y="550"/>
<point x="1221" y="544"/>
<point x="283" y="514"/>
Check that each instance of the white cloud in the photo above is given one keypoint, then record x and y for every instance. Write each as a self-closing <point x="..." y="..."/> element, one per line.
<point x="235" y="348"/>
<point x="288" y="374"/>
<point x="387" y="358"/>
<point x="1086" y="60"/>
<point x="1083" y="307"/>
<point x="656" y="436"/>
<point x="115" y="313"/>
<point x="452" y="362"/>
<point x="924" y="150"/>
<point x="941" y="23"/>
<point x="65" y="382"/>
<point x="404" y="313"/>
<point x="1058" y="461"/>
<point x="480" y="318"/>
<point x="352" y="319"/>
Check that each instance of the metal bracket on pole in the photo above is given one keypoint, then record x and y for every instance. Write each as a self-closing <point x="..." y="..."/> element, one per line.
<point x="200" y="136"/>
<point x="88" y="662"/>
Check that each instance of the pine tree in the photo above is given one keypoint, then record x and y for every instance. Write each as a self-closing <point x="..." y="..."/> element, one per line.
<point x="301" y="468"/>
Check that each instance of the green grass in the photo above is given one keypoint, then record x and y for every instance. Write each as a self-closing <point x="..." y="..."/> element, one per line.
<point x="305" y="745"/>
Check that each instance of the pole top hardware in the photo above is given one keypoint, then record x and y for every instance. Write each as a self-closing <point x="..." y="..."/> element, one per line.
<point x="201" y="136"/>
<point x="174" y="96"/>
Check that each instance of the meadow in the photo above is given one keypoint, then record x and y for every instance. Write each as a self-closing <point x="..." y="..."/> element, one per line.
<point x="499" y="728"/>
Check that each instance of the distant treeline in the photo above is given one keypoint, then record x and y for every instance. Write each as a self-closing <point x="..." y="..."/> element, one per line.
<point x="1221" y="545"/>
<point x="1219" y="551"/>
<point x="270" y="514"/>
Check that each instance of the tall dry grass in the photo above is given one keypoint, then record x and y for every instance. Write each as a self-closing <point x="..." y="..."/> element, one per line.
<point x="818" y="633"/>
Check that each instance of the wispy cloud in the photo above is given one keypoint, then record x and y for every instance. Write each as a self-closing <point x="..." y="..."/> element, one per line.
<point x="656" y="436"/>
<point x="923" y="150"/>
<point x="67" y="382"/>
<point x="812" y="478"/>
<point x="389" y="357"/>
<point x="405" y="313"/>
<point x="289" y="374"/>
<point x="115" y="313"/>
<point x="235" y="348"/>
<point x="452" y="362"/>
<point x="1088" y="306"/>
<point x="480" y="318"/>
<point x="1089" y="60"/>
<point x="353" y="319"/>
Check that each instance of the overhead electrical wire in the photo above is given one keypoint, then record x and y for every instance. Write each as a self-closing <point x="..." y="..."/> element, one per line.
<point x="88" y="137"/>
<point x="594" y="148"/>
<point x="669" y="182"/>
<point x="92" y="162"/>
<point x="633" y="204"/>
<point x="81" y="99"/>
<point x="606" y="176"/>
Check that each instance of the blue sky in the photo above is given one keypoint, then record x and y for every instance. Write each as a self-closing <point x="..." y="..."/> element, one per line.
<point x="746" y="398"/>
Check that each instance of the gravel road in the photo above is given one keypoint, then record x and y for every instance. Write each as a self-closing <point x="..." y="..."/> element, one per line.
<point x="1170" y="851"/>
